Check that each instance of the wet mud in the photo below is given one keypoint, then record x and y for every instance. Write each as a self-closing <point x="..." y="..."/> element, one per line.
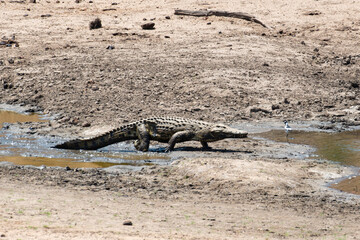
<point x="22" y="148"/>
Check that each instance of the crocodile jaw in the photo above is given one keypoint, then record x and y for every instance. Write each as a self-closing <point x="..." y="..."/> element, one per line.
<point x="220" y="132"/>
<point x="234" y="133"/>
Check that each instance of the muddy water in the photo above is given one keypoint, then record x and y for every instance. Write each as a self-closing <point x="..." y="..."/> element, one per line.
<point x="343" y="147"/>
<point x="13" y="117"/>
<point x="25" y="149"/>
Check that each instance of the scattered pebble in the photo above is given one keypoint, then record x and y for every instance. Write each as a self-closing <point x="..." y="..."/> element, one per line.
<point x="148" y="26"/>
<point x="95" y="24"/>
<point x="312" y="13"/>
<point x="167" y="17"/>
<point x="275" y="106"/>
<point x="127" y="223"/>
<point x="354" y="85"/>
<point x="109" y="9"/>
<point x="87" y="124"/>
<point x="110" y="47"/>
<point x="286" y="101"/>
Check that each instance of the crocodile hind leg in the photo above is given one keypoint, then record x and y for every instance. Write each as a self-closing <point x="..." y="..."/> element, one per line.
<point x="142" y="144"/>
<point x="178" y="137"/>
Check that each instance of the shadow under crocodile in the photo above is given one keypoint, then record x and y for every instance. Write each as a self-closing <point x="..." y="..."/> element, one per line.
<point x="197" y="149"/>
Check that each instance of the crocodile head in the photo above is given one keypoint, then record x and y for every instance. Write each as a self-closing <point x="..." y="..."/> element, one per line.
<point x="220" y="131"/>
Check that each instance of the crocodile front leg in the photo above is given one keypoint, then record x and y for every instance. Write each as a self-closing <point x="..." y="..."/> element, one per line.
<point x="178" y="137"/>
<point x="142" y="144"/>
<point x="205" y="145"/>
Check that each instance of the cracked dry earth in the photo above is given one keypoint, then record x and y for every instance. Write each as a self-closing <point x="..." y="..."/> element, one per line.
<point x="305" y="67"/>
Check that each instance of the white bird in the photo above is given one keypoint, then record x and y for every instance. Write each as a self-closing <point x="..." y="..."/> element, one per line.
<point x="287" y="127"/>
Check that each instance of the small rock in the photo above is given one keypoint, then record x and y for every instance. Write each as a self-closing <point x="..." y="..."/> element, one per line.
<point x="266" y="65"/>
<point x="286" y="101"/>
<point x="167" y="17"/>
<point x="110" y="47"/>
<point x="275" y="106"/>
<point x="127" y="223"/>
<point x="2" y="235"/>
<point x="45" y="15"/>
<point x="32" y="1"/>
<point x="354" y="85"/>
<point x="67" y="168"/>
<point x="87" y="124"/>
<point x="257" y="109"/>
<point x="95" y="24"/>
<point x="148" y="26"/>
<point x="312" y="13"/>
<point x="167" y="36"/>
<point x="209" y="23"/>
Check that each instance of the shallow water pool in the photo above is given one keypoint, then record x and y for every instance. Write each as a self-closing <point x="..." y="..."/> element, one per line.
<point x="342" y="147"/>
<point x="26" y="149"/>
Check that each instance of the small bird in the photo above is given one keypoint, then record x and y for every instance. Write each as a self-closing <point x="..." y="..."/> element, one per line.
<point x="287" y="128"/>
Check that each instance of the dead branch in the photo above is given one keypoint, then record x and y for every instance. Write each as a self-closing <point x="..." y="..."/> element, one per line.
<point x="205" y="13"/>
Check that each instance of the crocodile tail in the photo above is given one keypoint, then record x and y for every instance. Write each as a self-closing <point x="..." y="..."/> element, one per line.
<point x="106" y="139"/>
<point x="89" y="144"/>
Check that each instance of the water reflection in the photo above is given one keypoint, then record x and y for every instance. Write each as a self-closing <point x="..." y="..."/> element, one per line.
<point x="341" y="147"/>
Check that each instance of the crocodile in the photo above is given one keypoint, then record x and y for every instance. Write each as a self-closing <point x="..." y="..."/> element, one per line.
<point x="170" y="130"/>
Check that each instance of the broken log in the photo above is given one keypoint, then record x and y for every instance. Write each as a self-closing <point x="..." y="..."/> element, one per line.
<point x="206" y="13"/>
